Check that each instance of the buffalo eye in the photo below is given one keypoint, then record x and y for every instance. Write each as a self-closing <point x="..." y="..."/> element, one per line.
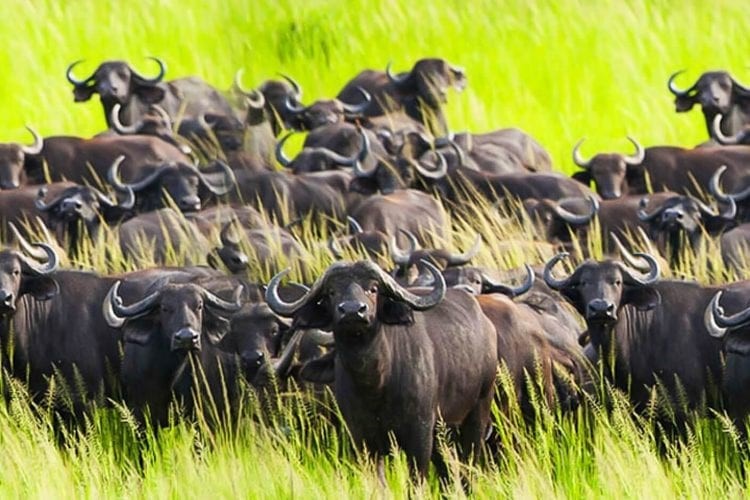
<point x="16" y="272"/>
<point x="373" y="289"/>
<point x="618" y="282"/>
<point x="199" y="307"/>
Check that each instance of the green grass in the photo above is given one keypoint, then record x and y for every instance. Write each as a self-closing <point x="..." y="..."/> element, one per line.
<point x="559" y="70"/>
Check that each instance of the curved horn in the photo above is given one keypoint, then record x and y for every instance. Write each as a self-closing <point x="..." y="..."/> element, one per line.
<point x="116" y="313"/>
<point x="224" y="305"/>
<point x="320" y="337"/>
<point x="36" y="147"/>
<point x="287" y="309"/>
<point x="281" y="157"/>
<point x="255" y="98"/>
<point x="157" y="78"/>
<point x="714" y="310"/>
<point x="729" y="213"/>
<point x="438" y="173"/>
<point x="488" y="286"/>
<point x="645" y="216"/>
<point x="672" y="88"/>
<point x="72" y="79"/>
<point x="577" y="219"/>
<point x="552" y="282"/>
<point x="577" y="158"/>
<point x="464" y="258"/>
<point x="27" y="247"/>
<point x="416" y="302"/>
<point x="364" y="150"/>
<point x="399" y="256"/>
<point x="226" y="236"/>
<point x="460" y="154"/>
<point x="294" y="84"/>
<point x="335" y="249"/>
<point x="726" y="322"/>
<point x="628" y="257"/>
<point x="51" y="257"/>
<point x="354" y="226"/>
<point x="395" y="79"/>
<point x="217" y="186"/>
<point x="281" y="364"/>
<point x="291" y="107"/>
<point x="653" y="273"/>
<point x="39" y="202"/>
<point x="714" y="185"/>
<point x="118" y="126"/>
<point x="356" y="109"/>
<point x="113" y="177"/>
<point x="639" y="155"/>
<point x="163" y="114"/>
<point x="723" y="139"/>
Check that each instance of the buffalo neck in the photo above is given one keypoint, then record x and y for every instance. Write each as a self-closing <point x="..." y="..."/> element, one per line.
<point x="363" y="356"/>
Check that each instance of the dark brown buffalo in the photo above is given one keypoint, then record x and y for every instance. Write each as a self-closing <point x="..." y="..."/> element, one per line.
<point x="717" y="93"/>
<point x="329" y="111"/>
<point x="278" y="95"/>
<point x="738" y="195"/>
<point x="17" y="206"/>
<point x="667" y="168"/>
<point x="409" y="270"/>
<point x="421" y="92"/>
<point x="401" y="360"/>
<point x="504" y="151"/>
<point x="318" y="159"/>
<point x="75" y="213"/>
<point x="735" y="248"/>
<point x="171" y="336"/>
<point x="186" y="185"/>
<point x="403" y="210"/>
<point x="726" y="319"/>
<point x="644" y="331"/>
<point x="681" y="221"/>
<point x="117" y="83"/>
<point x="13" y="158"/>
<point x="373" y="244"/>
<point x="285" y="196"/>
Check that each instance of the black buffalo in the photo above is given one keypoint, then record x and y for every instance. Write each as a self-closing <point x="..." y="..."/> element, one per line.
<point x="117" y="83"/>
<point x="717" y="93"/>
<point x="317" y="159"/>
<point x="420" y="93"/>
<point x="13" y="160"/>
<point x="390" y="351"/>
<point x="644" y="331"/>
<point x="328" y="111"/>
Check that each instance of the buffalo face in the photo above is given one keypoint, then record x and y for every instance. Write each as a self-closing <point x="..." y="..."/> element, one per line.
<point x="610" y="172"/>
<point x="599" y="290"/>
<point x="20" y="275"/>
<point x="715" y="91"/>
<point x="117" y="83"/>
<point x="430" y="79"/>
<point x="12" y="159"/>
<point x="256" y="336"/>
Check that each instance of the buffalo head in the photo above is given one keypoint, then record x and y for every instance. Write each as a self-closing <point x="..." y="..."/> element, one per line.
<point x="316" y="159"/>
<point x="185" y="184"/>
<point x="715" y="91"/>
<point x="374" y="244"/>
<point x="557" y="218"/>
<point x="156" y="122"/>
<point x="20" y="274"/>
<point x="230" y="251"/>
<point x="12" y="160"/>
<point x="611" y="172"/>
<point x="279" y="97"/>
<point x="117" y="83"/>
<point x="429" y="80"/>
<point x="327" y="111"/>
<point x="409" y="262"/>
<point x="477" y="281"/>
<point x="352" y="298"/>
<point x="599" y="290"/>
<point x="180" y="313"/>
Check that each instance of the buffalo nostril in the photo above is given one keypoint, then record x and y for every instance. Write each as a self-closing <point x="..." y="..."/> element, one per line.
<point x="611" y="308"/>
<point x="79" y="205"/>
<point x="341" y="308"/>
<point x="362" y="309"/>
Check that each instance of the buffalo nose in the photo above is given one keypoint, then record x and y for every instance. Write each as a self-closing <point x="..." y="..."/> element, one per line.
<point x="190" y="203"/>
<point x="187" y="335"/>
<point x="72" y="204"/>
<point x="672" y="215"/>
<point x="9" y="184"/>
<point x="6" y="298"/>
<point x="352" y="307"/>
<point x="600" y="307"/>
<point x="253" y="357"/>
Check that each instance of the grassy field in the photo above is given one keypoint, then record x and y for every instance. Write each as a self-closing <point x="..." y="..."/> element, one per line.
<point x="559" y="70"/>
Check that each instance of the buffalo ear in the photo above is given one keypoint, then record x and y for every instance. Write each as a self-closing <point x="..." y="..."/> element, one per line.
<point x="82" y="93"/>
<point x="319" y="370"/>
<point x="393" y="312"/>
<point x="313" y="316"/>
<point x="215" y="327"/>
<point x="643" y="298"/>
<point x="40" y="287"/>
<point x="149" y="94"/>
<point x="584" y="177"/>
<point x="684" y="103"/>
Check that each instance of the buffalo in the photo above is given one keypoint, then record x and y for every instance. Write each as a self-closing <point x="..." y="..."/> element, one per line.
<point x="328" y="111"/>
<point x="435" y="351"/>
<point x="717" y="93"/>
<point x="317" y="159"/>
<point x="13" y="159"/>
<point x="117" y="82"/>
<point x="644" y="331"/>
<point x="420" y="93"/>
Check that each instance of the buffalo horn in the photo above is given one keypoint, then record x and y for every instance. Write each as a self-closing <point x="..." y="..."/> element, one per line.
<point x="118" y="126"/>
<point x="488" y="286"/>
<point x="36" y="147"/>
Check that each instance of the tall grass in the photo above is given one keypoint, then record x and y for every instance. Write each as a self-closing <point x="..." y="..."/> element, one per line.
<point x="559" y="70"/>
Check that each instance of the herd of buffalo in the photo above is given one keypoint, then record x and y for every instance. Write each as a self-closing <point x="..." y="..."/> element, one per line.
<point x="408" y="336"/>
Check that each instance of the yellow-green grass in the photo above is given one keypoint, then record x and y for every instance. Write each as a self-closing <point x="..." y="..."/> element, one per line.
<point x="559" y="70"/>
